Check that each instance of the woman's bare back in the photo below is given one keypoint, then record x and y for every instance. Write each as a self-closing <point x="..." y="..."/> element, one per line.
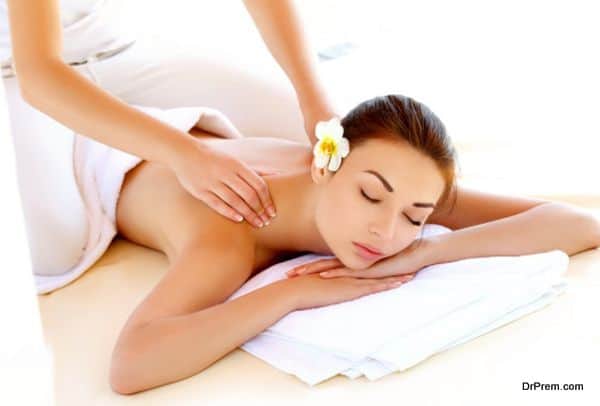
<point x="155" y="211"/>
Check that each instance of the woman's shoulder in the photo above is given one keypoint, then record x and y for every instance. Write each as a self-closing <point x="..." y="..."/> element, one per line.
<point x="201" y="226"/>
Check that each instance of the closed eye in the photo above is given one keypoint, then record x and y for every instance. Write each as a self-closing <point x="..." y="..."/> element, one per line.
<point x="413" y="222"/>
<point x="368" y="198"/>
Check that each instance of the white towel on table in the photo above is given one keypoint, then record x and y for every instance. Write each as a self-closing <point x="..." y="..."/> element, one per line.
<point x="444" y="305"/>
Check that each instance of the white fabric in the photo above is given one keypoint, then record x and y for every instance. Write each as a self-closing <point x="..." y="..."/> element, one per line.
<point x="88" y="26"/>
<point x="99" y="171"/>
<point x="444" y="305"/>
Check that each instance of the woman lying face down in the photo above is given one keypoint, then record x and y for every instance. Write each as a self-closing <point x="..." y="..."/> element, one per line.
<point x="400" y="165"/>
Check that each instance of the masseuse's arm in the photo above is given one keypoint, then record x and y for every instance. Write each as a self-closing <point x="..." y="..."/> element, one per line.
<point x="280" y="26"/>
<point x="56" y="89"/>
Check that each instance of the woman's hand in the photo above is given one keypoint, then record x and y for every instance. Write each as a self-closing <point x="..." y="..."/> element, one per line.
<point x="224" y="183"/>
<point x="407" y="262"/>
<point x="310" y="291"/>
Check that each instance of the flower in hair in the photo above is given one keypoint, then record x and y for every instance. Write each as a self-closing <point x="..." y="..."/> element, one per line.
<point x="332" y="146"/>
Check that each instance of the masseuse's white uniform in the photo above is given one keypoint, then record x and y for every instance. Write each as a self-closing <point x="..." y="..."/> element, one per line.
<point x="258" y="103"/>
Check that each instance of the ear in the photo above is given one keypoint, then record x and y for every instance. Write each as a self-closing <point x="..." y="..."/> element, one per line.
<point x="320" y="175"/>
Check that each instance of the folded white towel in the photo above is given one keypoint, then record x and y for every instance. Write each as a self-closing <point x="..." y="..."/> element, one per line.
<point x="443" y="306"/>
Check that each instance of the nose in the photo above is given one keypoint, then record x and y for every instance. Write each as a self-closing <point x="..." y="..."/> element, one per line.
<point x="384" y="227"/>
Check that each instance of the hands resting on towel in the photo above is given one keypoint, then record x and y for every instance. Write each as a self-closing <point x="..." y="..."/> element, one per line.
<point x="339" y="283"/>
<point x="405" y="263"/>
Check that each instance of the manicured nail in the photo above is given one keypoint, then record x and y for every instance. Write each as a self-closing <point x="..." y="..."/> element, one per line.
<point x="238" y="218"/>
<point x="271" y="211"/>
<point x="325" y="273"/>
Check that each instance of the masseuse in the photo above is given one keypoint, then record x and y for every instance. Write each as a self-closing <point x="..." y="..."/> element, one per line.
<point x="74" y="66"/>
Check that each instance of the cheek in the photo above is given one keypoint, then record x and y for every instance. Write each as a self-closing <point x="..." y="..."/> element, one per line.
<point x="339" y="210"/>
<point x="333" y="216"/>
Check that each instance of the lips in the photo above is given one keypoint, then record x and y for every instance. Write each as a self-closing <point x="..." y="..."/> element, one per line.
<point x="366" y="252"/>
<point x="369" y="248"/>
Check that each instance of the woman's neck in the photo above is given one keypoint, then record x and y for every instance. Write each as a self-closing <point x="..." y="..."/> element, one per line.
<point x="294" y="228"/>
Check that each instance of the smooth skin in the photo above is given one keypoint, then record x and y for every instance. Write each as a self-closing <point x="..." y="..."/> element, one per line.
<point x="184" y="324"/>
<point x="223" y="182"/>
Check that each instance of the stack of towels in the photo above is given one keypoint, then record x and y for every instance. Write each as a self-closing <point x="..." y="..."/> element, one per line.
<point x="444" y="305"/>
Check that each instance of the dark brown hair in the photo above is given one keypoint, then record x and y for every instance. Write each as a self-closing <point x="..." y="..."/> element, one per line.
<point x="399" y="117"/>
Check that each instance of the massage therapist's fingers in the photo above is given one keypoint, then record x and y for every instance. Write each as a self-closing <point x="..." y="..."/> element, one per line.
<point x="260" y="186"/>
<point x="238" y="204"/>
<point x="249" y="195"/>
<point x="217" y="204"/>
<point x="316" y="266"/>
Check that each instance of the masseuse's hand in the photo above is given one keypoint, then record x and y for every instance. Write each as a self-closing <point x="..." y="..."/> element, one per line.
<point x="314" y="109"/>
<point x="225" y="184"/>
<point x="407" y="262"/>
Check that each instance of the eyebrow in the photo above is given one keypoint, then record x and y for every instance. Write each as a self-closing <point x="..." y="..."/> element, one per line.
<point x="391" y="189"/>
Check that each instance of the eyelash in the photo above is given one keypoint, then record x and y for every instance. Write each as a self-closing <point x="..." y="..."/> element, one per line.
<point x="414" y="223"/>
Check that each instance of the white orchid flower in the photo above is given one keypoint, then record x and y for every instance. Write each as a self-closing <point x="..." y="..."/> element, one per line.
<point x="332" y="146"/>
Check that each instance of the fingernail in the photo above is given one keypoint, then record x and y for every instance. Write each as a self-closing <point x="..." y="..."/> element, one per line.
<point x="325" y="273"/>
<point x="238" y="218"/>
<point x="271" y="211"/>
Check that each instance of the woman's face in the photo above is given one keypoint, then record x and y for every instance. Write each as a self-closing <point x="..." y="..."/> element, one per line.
<point x="394" y="175"/>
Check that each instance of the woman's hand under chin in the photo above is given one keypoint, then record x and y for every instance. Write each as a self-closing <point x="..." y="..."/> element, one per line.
<point x="407" y="262"/>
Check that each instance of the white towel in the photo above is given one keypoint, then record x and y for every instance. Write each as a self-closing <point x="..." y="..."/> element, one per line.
<point x="99" y="171"/>
<point x="443" y="306"/>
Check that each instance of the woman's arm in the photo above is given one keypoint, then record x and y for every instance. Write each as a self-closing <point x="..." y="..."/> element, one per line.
<point x="184" y="325"/>
<point x="545" y="227"/>
<point x="486" y="224"/>
<point x="55" y="88"/>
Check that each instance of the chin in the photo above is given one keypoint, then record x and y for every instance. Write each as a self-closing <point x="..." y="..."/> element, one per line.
<point x="356" y="263"/>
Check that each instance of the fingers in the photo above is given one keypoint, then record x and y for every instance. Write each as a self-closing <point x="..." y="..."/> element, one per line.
<point x="248" y="201"/>
<point x="260" y="187"/>
<point x="229" y="197"/>
<point x="313" y="267"/>
<point x="215" y="203"/>
<point x="387" y="283"/>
